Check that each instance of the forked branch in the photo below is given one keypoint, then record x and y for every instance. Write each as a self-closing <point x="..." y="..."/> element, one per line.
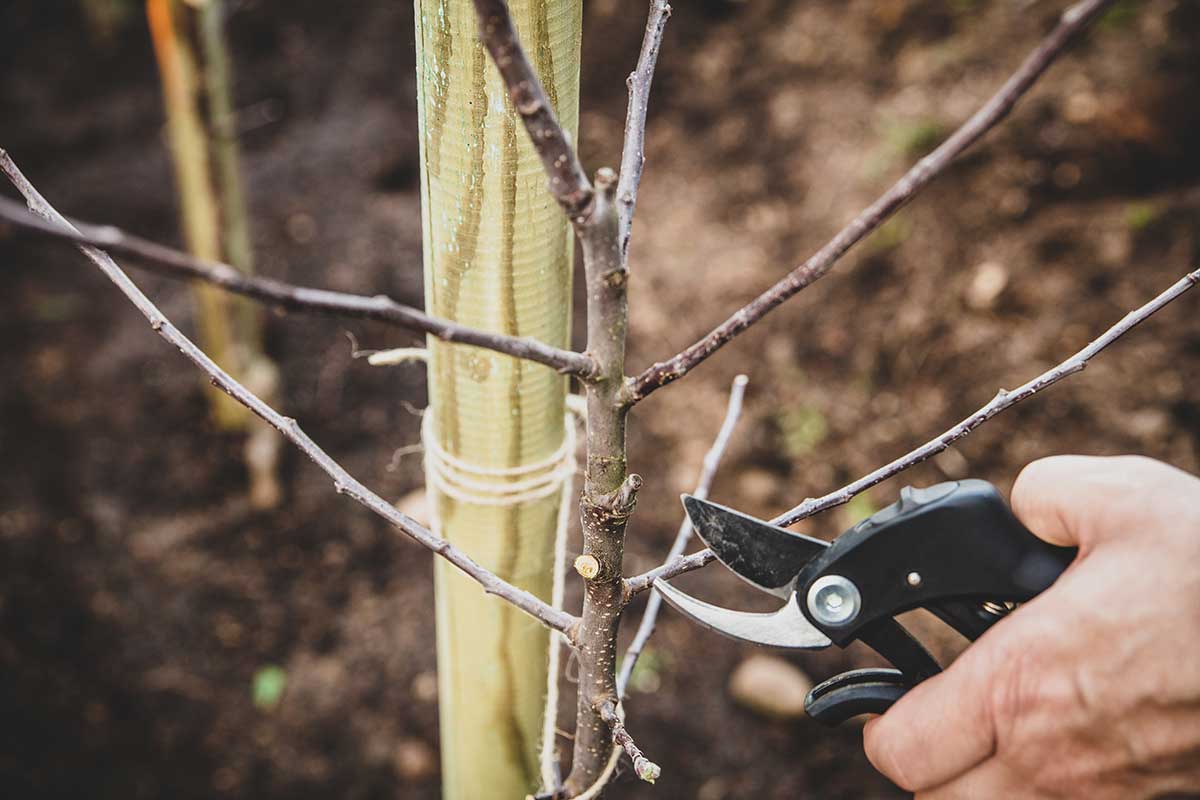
<point x="1073" y="20"/>
<point x="178" y="264"/>
<point x="343" y="482"/>
<point x="1003" y="400"/>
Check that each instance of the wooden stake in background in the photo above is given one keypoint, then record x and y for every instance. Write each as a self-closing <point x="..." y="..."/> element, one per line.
<point x="497" y="256"/>
<point x="201" y="130"/>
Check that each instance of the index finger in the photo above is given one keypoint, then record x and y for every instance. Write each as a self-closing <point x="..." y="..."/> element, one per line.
<point x="1085" y="500"/>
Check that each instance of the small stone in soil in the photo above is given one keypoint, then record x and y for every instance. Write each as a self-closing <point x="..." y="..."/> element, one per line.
<point x="771" y="686"/>
<point x="414" y="759"/>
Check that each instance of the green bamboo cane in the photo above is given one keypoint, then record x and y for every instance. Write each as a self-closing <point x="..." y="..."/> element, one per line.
<point x="497" y="256"/>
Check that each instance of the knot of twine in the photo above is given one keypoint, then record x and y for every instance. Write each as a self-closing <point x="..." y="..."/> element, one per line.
<point x="497" y="486"/>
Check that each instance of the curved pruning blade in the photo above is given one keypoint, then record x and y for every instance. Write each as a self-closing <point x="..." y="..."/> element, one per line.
<point x="786" y="627"/>
<point x="765" y="556"/>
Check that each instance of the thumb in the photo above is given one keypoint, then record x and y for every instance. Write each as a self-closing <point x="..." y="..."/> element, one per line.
<point x="940" y="729"/>
<point x="1086" y="500"/>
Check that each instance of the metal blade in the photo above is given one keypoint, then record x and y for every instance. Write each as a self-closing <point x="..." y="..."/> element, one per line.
<point x="765" y="556"/>
<point x="786" y="627"/>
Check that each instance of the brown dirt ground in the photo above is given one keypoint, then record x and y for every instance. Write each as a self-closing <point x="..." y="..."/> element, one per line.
<point x="138" y="594"/>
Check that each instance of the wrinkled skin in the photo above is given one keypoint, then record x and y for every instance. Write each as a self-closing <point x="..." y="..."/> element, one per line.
<point x="1092" y="690"/>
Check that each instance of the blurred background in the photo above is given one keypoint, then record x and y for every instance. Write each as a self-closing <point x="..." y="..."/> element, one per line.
<point x="160" y="636"/>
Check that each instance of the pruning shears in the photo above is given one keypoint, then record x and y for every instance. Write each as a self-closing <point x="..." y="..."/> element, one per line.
<point x="954" y="549"/>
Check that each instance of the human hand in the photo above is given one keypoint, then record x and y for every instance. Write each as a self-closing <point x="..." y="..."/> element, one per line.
<point x="1090" y="690"/>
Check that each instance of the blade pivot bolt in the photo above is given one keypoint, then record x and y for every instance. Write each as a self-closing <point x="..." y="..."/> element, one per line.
<point x="834" y="600"/>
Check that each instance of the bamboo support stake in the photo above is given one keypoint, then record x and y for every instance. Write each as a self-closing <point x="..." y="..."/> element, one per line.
<point x="179" y="72"/>
<point x="497" y="257"/>
<point x="201" y="134"/>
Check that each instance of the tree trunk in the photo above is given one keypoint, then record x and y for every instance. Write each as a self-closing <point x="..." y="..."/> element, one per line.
<point x="498" y="256"/>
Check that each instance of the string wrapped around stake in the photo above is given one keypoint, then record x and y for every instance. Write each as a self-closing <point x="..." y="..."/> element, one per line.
<point x="511" y="486"/>
<point x="496" y="486"/>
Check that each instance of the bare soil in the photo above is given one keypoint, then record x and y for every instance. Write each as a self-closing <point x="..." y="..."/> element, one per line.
<point x="140" y="596"/>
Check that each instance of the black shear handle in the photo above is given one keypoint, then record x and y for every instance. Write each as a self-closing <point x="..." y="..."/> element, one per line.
<point x="858" y="691"/>
<point x="946" y="545"/>
<point x="954" y="549"/>
<point x="874" y="691"/>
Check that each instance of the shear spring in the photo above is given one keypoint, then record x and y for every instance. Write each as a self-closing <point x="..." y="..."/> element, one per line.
<point x="998" y="609"/>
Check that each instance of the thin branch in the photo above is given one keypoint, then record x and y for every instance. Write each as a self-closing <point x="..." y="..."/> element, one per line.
<point x="343" y="482"/>
<point x="568" y="182"/>
<point x="709" y="469"/>
<point x="633" y="155"/>
<point x="177" y="264"/>
<point x="646" y="769"/>
<point x="640" y="583"/>
<point x="1002" y="400"/>
<point x="1072" y="21"/>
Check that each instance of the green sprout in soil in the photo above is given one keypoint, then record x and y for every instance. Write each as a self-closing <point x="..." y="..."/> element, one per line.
<point x="1122" y="15"/>
<point x="859" y="508"/>
<point x="269" y="685"/>
<point x="914" y="138"/>
<point x="803" y="429"/>
<point x="889" y="235"/>
<point x="648" y="671"/>
<point x="1139" y="216"/>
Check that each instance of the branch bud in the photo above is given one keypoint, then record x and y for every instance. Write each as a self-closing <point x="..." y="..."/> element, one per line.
<point x="647" y="770"/>
<point x="627" y="495"/>
<point x="606" y="180"/>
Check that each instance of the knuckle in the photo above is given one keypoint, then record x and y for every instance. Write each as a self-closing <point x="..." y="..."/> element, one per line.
<point x="1042" y="706"/>
<point x="1010" y="693"/>
<point x="1028" y="686"/>
<point x="1072" y="771"/>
